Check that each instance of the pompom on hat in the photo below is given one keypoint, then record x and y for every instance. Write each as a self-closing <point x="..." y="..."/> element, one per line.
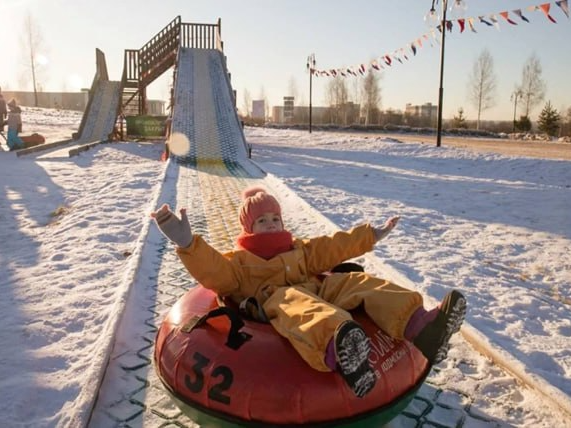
<point x="256" y="201"/>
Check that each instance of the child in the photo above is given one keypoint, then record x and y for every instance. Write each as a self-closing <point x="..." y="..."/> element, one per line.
<point x="3" y="111"/>
<point x="14" y="126"/>
<point x="283" y="274"/>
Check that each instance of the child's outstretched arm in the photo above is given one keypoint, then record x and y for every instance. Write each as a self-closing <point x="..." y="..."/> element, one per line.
<point x="390" y="224"/>
<point x="175" y="229"/>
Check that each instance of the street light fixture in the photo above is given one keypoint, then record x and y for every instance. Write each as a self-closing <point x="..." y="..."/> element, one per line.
<point x="311" y="68"/>
<point x="433" y="19"/>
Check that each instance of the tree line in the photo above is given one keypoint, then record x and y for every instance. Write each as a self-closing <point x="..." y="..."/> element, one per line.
<point x="528" y="93"/>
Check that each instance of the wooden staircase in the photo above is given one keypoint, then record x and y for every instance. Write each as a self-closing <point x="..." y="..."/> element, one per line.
<point x="143" y="66"/>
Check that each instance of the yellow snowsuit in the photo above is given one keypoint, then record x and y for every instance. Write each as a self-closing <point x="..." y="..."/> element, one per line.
<point x="302" y="308"/>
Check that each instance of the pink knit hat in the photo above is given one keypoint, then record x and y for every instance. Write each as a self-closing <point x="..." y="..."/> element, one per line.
<point x="256" y="202"/>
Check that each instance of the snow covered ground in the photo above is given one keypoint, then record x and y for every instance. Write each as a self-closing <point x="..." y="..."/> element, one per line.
<point x="498" y="228"/>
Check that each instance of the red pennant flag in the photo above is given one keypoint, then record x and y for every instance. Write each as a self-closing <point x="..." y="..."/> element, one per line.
<point x="564" y="7"/>
<point x="545" y="9"/>
<point x="388" y="59"/>
<point x="462" y="23"/>
<point x="449" y="25"/>
<point x="505" y="15"/>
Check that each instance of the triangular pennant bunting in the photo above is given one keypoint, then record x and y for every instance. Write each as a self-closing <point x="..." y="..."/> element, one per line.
<point x="481" y="18"/>
<point x="564" y="7"/>
<point x="506" y="16"/>
<point x="545" y="9"/>
<point x="495" y="21"/>
<point x="520" y="15"/>
<point x="402" y="54"/>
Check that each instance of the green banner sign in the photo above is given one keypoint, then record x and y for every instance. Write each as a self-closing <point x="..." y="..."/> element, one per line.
<point x="146" y="126"/>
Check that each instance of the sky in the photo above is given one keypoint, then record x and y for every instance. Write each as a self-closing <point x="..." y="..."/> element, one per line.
<point x="77" y="237"/>
<point x="267" y="45"/>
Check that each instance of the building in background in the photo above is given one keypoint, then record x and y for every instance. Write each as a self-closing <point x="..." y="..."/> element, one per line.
<point x="259" y="109"/>
<point x="69" y="100"/>
<point x="421" y="115"/>
<point x="300" y="114"/>
<point x="58" y="100"/>
<point x="288" y="112"/>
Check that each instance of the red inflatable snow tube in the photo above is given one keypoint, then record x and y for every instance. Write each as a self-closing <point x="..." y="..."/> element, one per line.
<point x="242" y="372"/>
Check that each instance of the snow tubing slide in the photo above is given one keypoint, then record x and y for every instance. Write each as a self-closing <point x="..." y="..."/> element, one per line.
<point x="224" y="371"/>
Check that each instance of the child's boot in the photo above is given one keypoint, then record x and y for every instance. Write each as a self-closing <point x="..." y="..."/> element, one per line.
<point x="352" y="348"/>
<point x="433" y="340"/>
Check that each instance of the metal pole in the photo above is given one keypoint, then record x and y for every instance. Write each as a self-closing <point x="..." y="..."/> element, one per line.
<point x="441" y="89"/>
<point x="310" y="91"/>
<point x="311" y="68"/>
<point x="515" y="108"/>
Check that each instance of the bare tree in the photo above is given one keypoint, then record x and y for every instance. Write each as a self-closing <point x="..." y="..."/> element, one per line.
<point x="355" y="90"/>
<point x="482" y="84"/>
<point x="32" y="42"/>
<point x="293" y="92"/>
<point x="371" y="97"/>
<point x="337" y="97"/>
<point x="264" y="97"/>
<point x="247" y="103"/>
<point x="532" y="85"/>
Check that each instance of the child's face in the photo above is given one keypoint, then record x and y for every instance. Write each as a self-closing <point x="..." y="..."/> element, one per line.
<point x="266" y="223"/>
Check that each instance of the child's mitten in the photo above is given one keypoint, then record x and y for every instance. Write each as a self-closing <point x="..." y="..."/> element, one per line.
<point x="175" y="229"/>
<point x="381" y="232"/>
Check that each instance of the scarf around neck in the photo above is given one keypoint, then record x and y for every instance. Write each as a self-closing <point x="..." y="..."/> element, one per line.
<point x="265" y="245"/>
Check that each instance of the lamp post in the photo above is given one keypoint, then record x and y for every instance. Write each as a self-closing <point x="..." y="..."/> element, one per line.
<point x="311" y="68"/>
<point x="432" y="18"/>
<point x="517" y="93"/>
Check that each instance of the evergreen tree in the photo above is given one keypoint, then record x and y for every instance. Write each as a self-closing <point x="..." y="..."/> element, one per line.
<point x="549" y="120"/>
<point x="523" y="124"/>
<point x="460" y="121"/>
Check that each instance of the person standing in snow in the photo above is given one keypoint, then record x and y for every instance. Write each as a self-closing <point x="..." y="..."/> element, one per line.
<point x="284" y="274"/>
<point x="168" y="132"/>
<point x="3" y="111"/>
<point x="14" y="126"/>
